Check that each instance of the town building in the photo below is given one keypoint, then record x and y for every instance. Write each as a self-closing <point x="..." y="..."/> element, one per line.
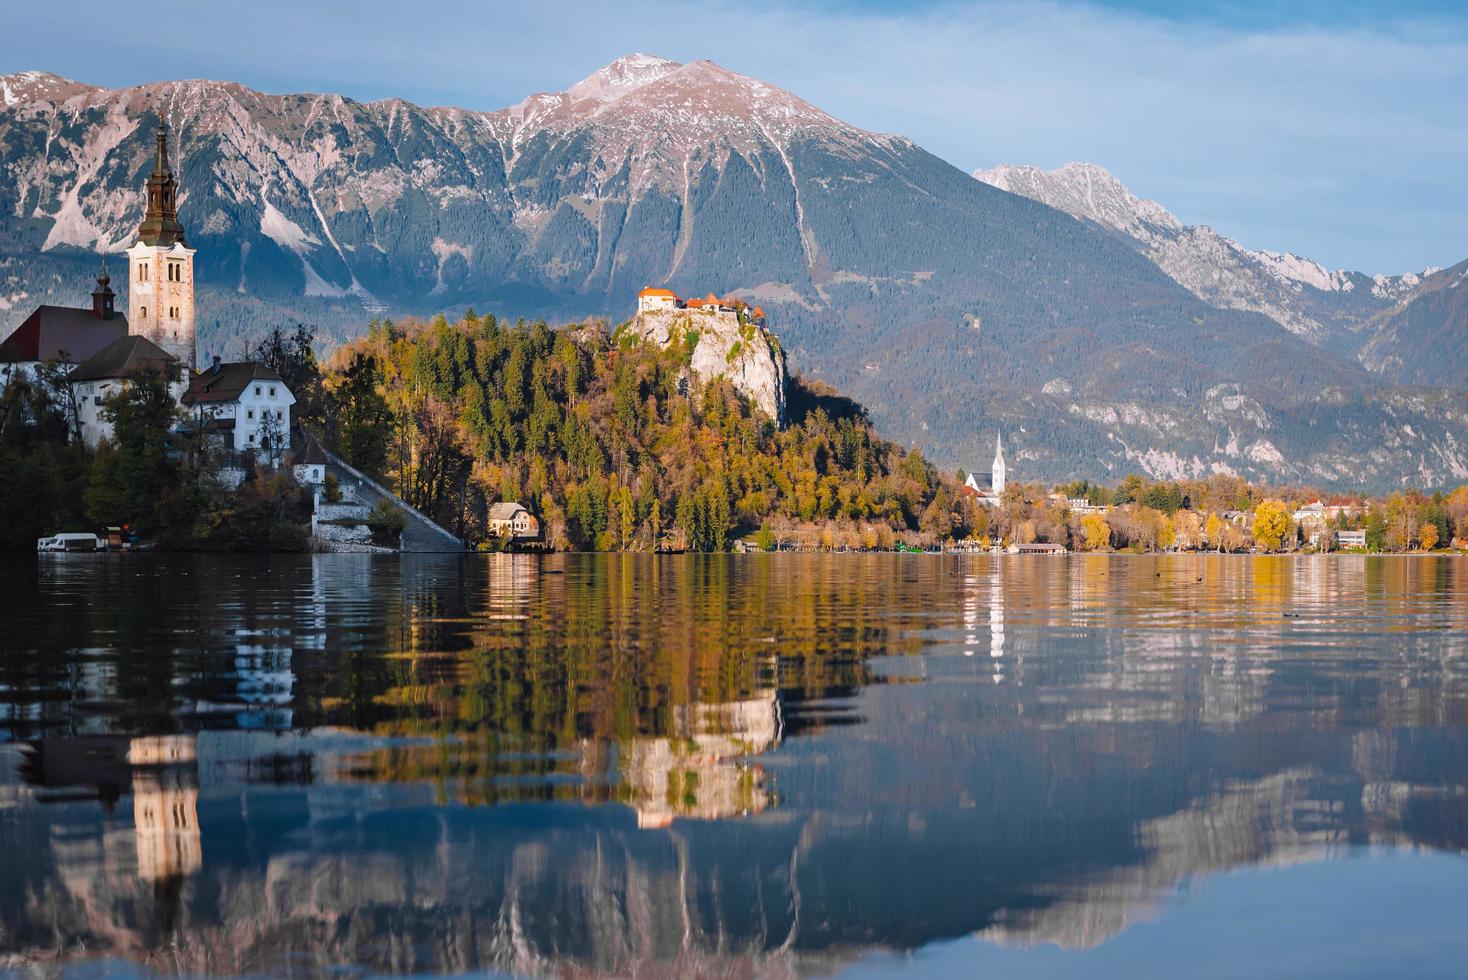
<point x="107" y="371"/>
<point x="161" y="267"/>
<point x="1350" y="539"/>
<point x="246" y="404"/>
<point x="508" y="519"/>
<point x="1311" y="516"/>
<point x="63" y="335"/>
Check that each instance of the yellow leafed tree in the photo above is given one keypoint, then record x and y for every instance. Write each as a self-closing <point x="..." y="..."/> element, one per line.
<point x="1428" y="536"/>
<point x="1213" y="531"/>
<point x="1271" y="525"/>
<point x="1096" y="531"/>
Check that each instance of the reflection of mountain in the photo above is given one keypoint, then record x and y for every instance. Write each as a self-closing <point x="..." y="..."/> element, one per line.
<point x="1148" y="721"/>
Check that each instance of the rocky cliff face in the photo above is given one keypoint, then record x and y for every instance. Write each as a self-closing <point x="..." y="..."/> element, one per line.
<point x="725" y="345"/>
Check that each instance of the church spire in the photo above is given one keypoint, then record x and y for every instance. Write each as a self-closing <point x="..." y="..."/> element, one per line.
<point x="160" y="223"/>
<point x="997" y="474"/>
<point x="103" y="298"/>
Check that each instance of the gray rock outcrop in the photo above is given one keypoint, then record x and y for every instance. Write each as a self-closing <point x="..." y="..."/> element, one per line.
<point x="725" y="345"/>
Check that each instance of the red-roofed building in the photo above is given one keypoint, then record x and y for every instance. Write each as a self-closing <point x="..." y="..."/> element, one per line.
<point x="654" y="298"/>
<point x="63" y="334"/>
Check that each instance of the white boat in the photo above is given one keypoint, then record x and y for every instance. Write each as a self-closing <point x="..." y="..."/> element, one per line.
<point x="70" y="541"/>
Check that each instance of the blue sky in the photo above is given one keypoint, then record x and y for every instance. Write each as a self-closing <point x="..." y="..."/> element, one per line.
<point x="1335" y="129"/>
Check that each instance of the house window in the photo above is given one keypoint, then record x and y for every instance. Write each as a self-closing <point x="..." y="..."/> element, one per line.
<point x="280" y="415"/>
<point x="143" y="312"/>
<point x="175" y="272"/>
<point x="251" y="437"/>
<point x="257" y="391"/>
<point x="142" y="272"/>
<point x="272" y="391"/>
<point x="250" y="414"/>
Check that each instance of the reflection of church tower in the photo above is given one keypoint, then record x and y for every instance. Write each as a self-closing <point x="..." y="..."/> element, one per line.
<point x="161" y="267"/>
<point x="165" y="806"/>
<point x="996" y="475"/>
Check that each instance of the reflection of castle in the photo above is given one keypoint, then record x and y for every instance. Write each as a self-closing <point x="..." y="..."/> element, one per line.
<point x="701" y="771"/>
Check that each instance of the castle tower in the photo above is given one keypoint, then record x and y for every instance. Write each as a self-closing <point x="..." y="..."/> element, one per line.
<point x="996" y="478"/>
<point x="160" y="297"/>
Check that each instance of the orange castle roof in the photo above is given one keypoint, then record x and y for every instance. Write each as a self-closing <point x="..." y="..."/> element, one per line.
<point x="655" y="291"/>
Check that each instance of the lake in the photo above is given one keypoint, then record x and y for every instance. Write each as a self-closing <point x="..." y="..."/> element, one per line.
<point x="761" y="765"/>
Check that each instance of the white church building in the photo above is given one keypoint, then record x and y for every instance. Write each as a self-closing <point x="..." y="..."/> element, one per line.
<point x="991" y="495"/>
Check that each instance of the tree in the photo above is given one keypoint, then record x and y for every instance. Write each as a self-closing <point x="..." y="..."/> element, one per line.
<point x="1213" y="531"/>
<point x="1189" y="530"/>
<point x="292" y="356"/>
<point x="1096" y="531"/>
<point x="1428" y="536"/>
<point x="131" y="476"/>
<point x="1271" y="525"/>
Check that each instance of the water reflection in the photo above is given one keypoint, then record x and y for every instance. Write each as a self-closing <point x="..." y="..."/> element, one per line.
<point x="757" y="764"/>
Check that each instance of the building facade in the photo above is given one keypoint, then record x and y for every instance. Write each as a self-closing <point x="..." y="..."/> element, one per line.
<point x="246" y="404"/>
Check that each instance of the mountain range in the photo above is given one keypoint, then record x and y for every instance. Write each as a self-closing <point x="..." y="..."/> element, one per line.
<point x="1091" y="327"/>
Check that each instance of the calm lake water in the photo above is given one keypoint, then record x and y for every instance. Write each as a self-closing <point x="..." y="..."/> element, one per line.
<point x="734" y="765"/>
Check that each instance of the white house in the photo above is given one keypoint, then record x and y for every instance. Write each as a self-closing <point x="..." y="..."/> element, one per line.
<point x="993" y="494"/>
<point x="309" y="463"/>
<point x="246" y="403"/>
<point x="509" y="519"/>
<point x="109" y="371"/>
<point x="653" y="298"/>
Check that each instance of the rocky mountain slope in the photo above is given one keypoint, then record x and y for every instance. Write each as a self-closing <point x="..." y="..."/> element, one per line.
<point x="1424" y="339"/>
<point x="950" y="307"/>
<point x="1326" y="307"/>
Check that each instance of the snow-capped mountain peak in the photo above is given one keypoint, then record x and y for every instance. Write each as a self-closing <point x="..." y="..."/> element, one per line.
<point x="1299" y="293"/>
<point x="24" y="87"/>
<point x="627" y="74"/>
<point x="1085" y="190"/>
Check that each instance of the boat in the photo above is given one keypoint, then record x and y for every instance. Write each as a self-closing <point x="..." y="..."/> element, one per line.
<point x="69" y="541"/>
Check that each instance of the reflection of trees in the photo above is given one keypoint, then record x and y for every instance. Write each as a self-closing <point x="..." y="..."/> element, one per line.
<point x="1147" y="725"/>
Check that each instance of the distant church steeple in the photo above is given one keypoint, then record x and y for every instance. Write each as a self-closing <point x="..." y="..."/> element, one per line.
<point x="103" y="298"/>
<point x="996" y="475"/>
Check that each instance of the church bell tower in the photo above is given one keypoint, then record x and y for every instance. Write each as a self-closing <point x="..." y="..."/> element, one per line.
<point x="160" y="295"/>
<point x="997" y="474"/>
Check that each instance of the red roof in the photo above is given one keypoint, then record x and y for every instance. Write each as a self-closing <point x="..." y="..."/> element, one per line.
<point x="55" y="330"/>
<point x="225" y="382"/>
<point x="656" y="291"/>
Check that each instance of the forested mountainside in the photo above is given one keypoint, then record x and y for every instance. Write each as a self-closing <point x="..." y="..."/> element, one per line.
<point x="947" y="306"/>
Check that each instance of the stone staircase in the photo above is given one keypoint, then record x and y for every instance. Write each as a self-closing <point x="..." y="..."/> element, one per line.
<point x="360" y="493"/>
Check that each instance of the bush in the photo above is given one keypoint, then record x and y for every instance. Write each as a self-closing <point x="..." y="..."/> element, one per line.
<point x="387" y="521"/>
<point x="333" y="489"/>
